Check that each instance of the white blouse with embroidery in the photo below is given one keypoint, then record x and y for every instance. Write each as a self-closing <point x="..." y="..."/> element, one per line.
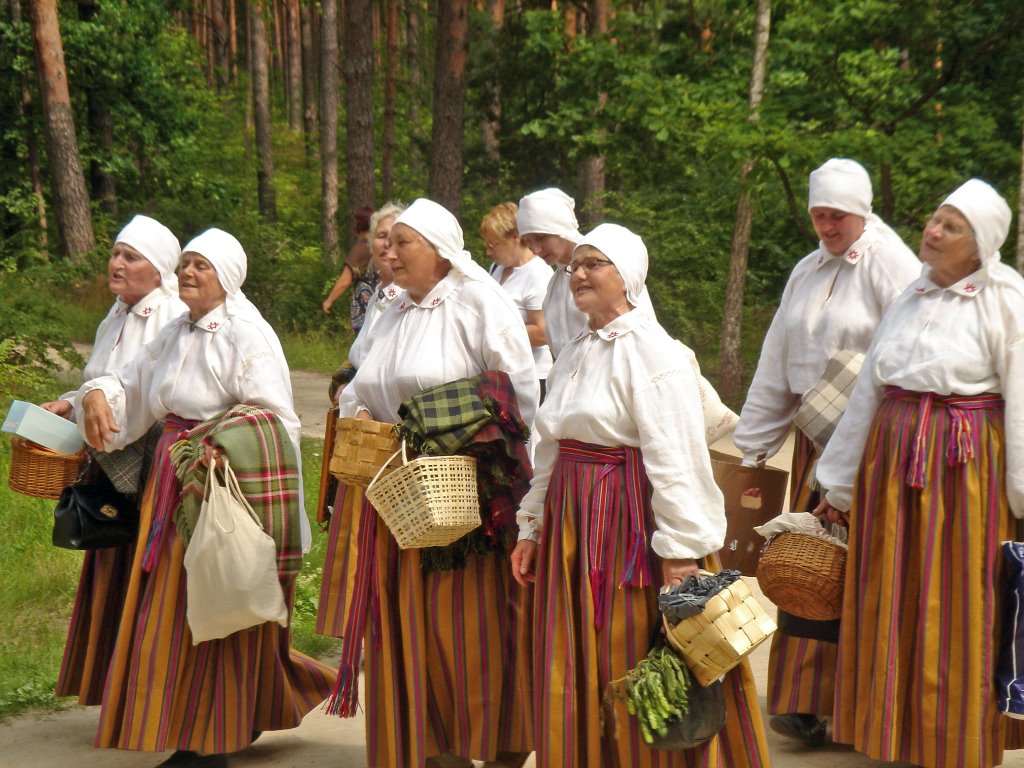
<point x="830" y="304"/>
<point x="563" y="320"/>
<point x="460" y="329"/>
<point x="527" y="285"/>
<point x="126" y="329"/>
<point x="384" y="295"/>
<point x="966" y="339"/>
<point x="198" y="370"/>
<point x="631" y="384"/>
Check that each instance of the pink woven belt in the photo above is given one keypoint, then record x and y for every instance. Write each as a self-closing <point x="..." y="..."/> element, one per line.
<point x="608" y="486"/>
<point x="960" y="447"/>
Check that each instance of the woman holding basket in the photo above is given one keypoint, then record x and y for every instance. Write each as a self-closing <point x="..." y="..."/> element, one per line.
<point x="443" y="684"/>
<point x="622" y="502"/>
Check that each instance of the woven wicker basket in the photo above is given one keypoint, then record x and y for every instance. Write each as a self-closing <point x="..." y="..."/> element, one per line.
<point x="803" y="575"/>
<point x="714" y="641"/>
<point x="361" y="448"/>
<point x="40" y="472"/>
<point x="428" y="502"/>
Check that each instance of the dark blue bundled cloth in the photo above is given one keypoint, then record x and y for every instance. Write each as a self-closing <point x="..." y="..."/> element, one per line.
<point x="1010" y="672"/>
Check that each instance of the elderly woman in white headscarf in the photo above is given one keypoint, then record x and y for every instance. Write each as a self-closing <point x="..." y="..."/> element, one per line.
<point x="547" y="224"/>
<point x="141" y="275"/>
<point x="832" y="303"/>
<point x="220" y="354"/>
<point x="929" y="461"/>
<point x="622" y="502"/>
<point x="441" y="666"/>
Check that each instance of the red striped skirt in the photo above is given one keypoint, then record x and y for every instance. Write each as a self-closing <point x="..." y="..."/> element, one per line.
<point x="586" y="637"/>
<point x="163" y="692"/>
<point x="340" y="562"/>
<point x="801" y="670"/>
<point x="920" y="627"/>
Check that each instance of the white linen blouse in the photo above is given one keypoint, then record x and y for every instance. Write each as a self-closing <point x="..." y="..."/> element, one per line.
<point x="125" y="330"/>
<point x="383" y="296"/>
<point x="830" y="304"/>
<point x="563" y="320"/>
<point x="966" y="339"/>
<point x="631" y="384"/>
<point x="527" y="285"/>
<point x="198" y="370"/>
<point x="461" y="328"/>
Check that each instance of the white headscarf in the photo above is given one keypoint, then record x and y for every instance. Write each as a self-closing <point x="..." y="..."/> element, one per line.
<point x="157" y="244"/>
<point x="548" y="212"/>
<point x="841" y="184"/>
<point x="987" y="213"/>
<point x="227" y="256"/>
<point x="629" y="255"/>
<point x="442" y="230"/>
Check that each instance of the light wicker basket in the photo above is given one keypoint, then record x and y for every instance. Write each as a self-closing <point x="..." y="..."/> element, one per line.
<point x="40" y="472"/>
<point x="803" y="575"/>
<point x="715" y="640"/>
<point x="361" y="448"/>
<point x="427" y="502"/>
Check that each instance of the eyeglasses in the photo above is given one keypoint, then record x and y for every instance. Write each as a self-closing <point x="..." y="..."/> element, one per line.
<point x="589" y="264"/>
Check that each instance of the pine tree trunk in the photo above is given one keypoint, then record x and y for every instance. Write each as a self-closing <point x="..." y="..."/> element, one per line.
<point x="445" y="181"/>
<point x="329" y="130"/>
<point x="102" y="185"/>
<point x="490" y="121"/>
<point x="309" y="94"/>
<point x="233" y="41"/>
<point x="261" y="109"/>
<point x="32" y="145"/>
<point x="359" y="164"/>
<point x="70" y="198"/>
<point x="387" y="163"/>
<point x="221" y="43"/>
<point x="591" y="170"/>
<point x="412" y="50"/>
<point x="731" y="362"/>
<point x="294" y="26"/>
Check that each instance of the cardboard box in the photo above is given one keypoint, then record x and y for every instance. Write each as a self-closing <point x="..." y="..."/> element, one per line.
<point x="743" y="545"/>
<point x="43" y="428"/>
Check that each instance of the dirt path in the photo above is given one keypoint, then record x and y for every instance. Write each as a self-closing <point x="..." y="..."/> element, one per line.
<point x="60" y="739"/>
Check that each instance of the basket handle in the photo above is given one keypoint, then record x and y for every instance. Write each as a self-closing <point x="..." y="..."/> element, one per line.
<point x="391" y="458"/>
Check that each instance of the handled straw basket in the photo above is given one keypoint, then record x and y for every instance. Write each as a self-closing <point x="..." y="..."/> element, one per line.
<point x="361" y="449"/>
<point x="715" y="640"/>
<point x="803" y="575"/>
<point x="427" y="502"/>
<point x="40" y="472"/>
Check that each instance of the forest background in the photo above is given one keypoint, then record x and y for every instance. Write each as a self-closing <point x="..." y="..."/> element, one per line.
<point x="693" y="122"/>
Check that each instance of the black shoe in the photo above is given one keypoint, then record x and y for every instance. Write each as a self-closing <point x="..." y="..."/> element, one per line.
<point x="184" y="758"/>
<point x="809" y="730"/>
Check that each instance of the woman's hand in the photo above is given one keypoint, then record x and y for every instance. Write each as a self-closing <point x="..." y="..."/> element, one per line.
<point x="60" y="407"/>
<point x="825" y="511"/>
<point x="98" y="420"/>
<point x="362" y="413"/>
<point x="212" y="456"/>
<point x="524" y="558"/>
<point x="675" y="571"/>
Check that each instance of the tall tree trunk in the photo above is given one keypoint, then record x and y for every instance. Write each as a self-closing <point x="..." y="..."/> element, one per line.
<point x="233" y="41"/>
<point x="387" y="164"/>
<point x="445" y="181"/>
<point x="359" y="104"/>
<point x="414" y="27"/>
<point x="221" y="43"/>
<point x="294" y="26"/>
<point x="309" y="95"/>
<point x="329" y="130"/>
<point x="261" y="108"/>
<point x="32" y="145"/>
<point x="731" y="363"/>
<point x="490" y="120"/>
<point x="70" y="198"/>
<point x="102" y="184"/>
<point x="591" y="170"/>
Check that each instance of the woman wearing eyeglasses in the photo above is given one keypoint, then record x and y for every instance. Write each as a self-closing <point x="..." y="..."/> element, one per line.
<point x="622" y="502"/>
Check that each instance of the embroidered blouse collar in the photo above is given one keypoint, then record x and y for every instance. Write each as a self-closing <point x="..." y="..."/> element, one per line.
<point x="854" y="254"/>
<point x="620" y="326"/>
<point x="212" y="321"/>
<point x="437" y="294"/>
<point x="971" y="285"/>
<point x="145" y="306"/>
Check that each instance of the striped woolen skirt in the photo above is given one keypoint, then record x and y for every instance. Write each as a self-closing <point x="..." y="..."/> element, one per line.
<point x="576" y="659"/>
<point x="921" y="613"/>
<point x="163" y="692"/>
<point x="448" y="659"/>
<point x="801" y="670"/>
<point x="339" y="562"/>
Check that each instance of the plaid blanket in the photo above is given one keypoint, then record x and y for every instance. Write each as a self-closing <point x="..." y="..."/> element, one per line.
<point x="263" y="458"/>
<point x="822" y="406"/>
<point x="476" y="417"/>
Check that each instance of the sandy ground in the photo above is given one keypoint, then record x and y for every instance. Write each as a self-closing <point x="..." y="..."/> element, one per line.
<point x="64" y="738"/>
